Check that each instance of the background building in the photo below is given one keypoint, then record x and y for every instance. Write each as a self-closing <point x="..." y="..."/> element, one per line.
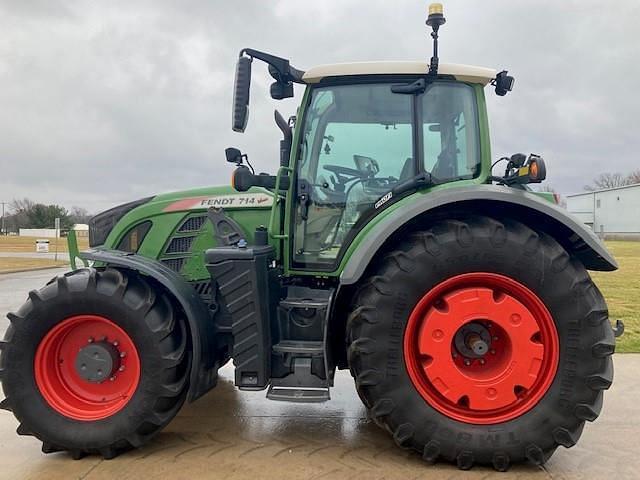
<point x="611" y="213"/>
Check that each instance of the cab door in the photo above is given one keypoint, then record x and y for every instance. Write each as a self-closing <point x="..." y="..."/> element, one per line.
<point x="356" y="143"/>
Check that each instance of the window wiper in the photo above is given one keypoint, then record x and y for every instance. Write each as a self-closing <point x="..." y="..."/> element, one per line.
<point x="419" y="86"/>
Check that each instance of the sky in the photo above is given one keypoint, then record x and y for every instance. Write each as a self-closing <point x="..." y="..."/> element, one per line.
<point x="105" y="102"/>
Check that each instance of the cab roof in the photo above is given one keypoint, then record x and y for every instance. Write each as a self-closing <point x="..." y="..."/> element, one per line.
<point x="463" y="73"/>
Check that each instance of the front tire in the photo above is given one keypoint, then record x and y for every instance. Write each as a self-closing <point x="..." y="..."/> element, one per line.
<point x="481" y="402"/>
<point x="97" y="361"/>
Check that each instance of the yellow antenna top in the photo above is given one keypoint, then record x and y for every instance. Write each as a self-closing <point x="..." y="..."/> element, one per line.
<point x="435" y="8"/>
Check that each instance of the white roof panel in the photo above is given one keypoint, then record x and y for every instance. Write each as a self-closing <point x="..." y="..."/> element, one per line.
<point x="464" y="73"/>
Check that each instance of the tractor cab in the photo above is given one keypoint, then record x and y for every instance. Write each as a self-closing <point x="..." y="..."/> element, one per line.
<point x="367" y="135"/>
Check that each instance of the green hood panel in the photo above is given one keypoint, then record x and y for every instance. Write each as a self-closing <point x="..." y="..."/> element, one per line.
<point x="180" y="231"/>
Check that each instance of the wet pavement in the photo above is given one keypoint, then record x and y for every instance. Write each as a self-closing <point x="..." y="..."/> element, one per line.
<point x="240" y="435"/>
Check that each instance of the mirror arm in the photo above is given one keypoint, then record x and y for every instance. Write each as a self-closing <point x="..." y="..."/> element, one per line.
<point x="286" y="71"/>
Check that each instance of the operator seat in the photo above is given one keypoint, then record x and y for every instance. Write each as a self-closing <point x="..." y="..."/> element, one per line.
<point x="407" y="170"/>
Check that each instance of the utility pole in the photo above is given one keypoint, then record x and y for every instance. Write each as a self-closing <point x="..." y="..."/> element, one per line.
<point x="2" y="231"/>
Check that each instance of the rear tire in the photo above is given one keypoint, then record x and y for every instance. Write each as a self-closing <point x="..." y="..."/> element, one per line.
<point x="379" y="360"/>
<point x="151" y="363"/>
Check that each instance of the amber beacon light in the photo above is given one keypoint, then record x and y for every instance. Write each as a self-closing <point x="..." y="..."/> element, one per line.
<point x="435" y="19"/>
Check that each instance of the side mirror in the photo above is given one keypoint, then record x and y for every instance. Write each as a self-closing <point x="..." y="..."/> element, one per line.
<point x="241" y="89"/>
<point x="503" y="83"/>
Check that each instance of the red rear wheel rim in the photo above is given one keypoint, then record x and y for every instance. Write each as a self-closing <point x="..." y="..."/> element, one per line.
<point x="520" y="349"/>
<point x="56" y="372"/>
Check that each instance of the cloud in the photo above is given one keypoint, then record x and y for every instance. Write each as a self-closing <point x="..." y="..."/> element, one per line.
<point x="104" y="102"/>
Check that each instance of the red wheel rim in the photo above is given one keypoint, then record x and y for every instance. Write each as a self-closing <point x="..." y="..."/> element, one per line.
<point x="519" y="362"/>
<point x="58" y="378"/>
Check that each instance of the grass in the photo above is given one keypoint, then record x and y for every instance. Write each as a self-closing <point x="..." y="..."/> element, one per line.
<point x="28" y="244"/>
<point x="16" y="264"/>
<point x="621" y="289"/>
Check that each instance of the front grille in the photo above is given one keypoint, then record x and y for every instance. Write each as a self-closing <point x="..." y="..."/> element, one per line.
<point x="180" y="245"/>
<point x="174" y="264"/>
<point x="192" y="224"/>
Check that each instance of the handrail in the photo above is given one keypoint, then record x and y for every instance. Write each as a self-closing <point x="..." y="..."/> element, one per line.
<point x="276" y="202"/>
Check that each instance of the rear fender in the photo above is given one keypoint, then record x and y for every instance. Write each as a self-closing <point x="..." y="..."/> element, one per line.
<point x="490" y="200"/>
<point x="204" y="368"/>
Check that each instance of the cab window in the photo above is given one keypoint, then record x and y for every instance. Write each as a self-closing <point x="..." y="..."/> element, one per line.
<point x="357" y="143"/>
<point x="354" y="149"/>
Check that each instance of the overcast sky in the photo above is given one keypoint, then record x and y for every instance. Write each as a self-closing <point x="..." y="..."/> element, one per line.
<point x="102" y="102"/>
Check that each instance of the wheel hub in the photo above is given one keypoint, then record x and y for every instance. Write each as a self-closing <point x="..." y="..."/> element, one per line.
<point x="481" y="348"/>
<point x="97" y="361"/>
<point x="83" y="378"/>
<point x="473" y="340"/>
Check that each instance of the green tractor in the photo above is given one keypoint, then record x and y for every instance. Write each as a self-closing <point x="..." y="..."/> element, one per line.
<point x="459" y="300"/>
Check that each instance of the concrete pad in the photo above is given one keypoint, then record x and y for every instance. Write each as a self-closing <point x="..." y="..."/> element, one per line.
<point x="240" y="435"/>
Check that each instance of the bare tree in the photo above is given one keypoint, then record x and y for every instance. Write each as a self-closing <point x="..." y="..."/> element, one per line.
<point x="79" y="215"/>
<point x="19" y="217"/>
<point x="608" y="180"/>
<point x="634" y="177"/>
<point x="20" y="205"/>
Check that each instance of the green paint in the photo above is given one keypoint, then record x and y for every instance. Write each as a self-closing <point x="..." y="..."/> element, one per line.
<point x="274" y="231"/>
<point x="74" y="251"/>
<point x="166" y="223"/>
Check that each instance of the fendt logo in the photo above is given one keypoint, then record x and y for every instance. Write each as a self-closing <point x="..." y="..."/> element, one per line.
<point x="245" y="200"/>
<point x="234" y="200"/>
<point x="383" y="200"/>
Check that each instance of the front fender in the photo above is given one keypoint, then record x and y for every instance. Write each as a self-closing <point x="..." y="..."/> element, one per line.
<point x="204" y="369"/>
<point x="494" y="200"/>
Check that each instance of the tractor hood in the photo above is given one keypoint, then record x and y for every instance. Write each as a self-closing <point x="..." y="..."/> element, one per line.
<point x="147" y="226"/>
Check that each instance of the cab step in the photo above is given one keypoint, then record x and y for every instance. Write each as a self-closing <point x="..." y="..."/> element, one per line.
<point x="300" y="395"/>
<point x="302" y="385"/>
<point x="299" y="346"/>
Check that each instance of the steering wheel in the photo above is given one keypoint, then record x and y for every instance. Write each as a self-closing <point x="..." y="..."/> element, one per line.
<point x="340" y="170"/>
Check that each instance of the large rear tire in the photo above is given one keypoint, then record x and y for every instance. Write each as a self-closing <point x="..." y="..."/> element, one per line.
<point x="480" y="341"/>
<point x="96" y="361"/>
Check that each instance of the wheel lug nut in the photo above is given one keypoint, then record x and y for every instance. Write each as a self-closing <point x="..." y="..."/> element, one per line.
<point x="121" y="369"/>
<point x="111" y="379"/>
<point x="492" y="352"/>
<point x="123" y="354"/>
<point x="482" y="361"/>
<point x="90" y="340"/>
<point x="495" y="338"/>
<point x="467" y="362"/>
<point x="115" y="344"/>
